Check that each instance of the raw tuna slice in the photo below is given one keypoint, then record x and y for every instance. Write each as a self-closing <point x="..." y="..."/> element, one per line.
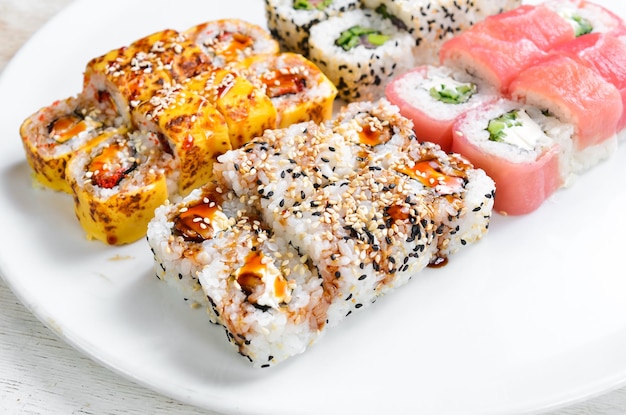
<point x="606" y="54"/>
<point x="494" y="60"/>
<point x="539" y="24"/>
<point x="574" y="93"/>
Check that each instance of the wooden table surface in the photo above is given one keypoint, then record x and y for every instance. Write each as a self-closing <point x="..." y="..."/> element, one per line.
<point x="40" y="374"/>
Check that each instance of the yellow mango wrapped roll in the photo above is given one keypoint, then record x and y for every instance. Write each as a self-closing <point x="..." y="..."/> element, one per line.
<point x="298" y="89"/>
<point x="231" y="40"/>
<point x="53" y="134"/>
<point x="117" y="185"/>
<point x="187" y="126"/>
<point x="131" y="74"/>
<point x="245" y="107"/>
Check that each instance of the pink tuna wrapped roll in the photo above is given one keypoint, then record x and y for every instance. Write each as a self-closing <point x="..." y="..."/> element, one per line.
<point x="575" y="94"/>
<point x="539" y="24"/>
<point x="522" y="149"/>
<point x="503" y="45"/>
<point x="596" y="18"/>
<point x="606" y="54"/>
<point x="497" y="61"/>
<point x="433" y="97"/>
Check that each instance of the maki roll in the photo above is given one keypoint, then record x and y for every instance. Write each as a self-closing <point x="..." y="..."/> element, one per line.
<point x="131" y="74"/>
<point x="178" y="230"/>
<point x="188" y="128"/>
<point x="117" y="185"/>
<point x="360" y="51"/>
<point x="290" y="21"/>
<point x="432" y="97"/>
<point x="226" y="41"/>
<point x="247" y="110"/>
<point x="525" y="150"/>
<point x="460" y="196"/>
<point x="284" y="166"/>
<point x="587" y="17"/>
<point x="54" y="134"/>
<point x="605" y="54"/>
<point x="503" y="45"/>
<point x="339" y="222"/>
<point x="223" y="258"/>
<point x="433" y="22"/>
<point x="349" y="195"/>
<point x="578" y="95"/>
<point x="298" y="89"/>
<point x="308" y="224"/>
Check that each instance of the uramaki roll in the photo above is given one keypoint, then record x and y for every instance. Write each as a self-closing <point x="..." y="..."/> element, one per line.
<point x="220" y="256"/>
<point x="131" y="74"/>
<point x="53" y="134"/>
<point x="290" y="21"/>
<point x="187" y="126"/>
<point x="248" y="111"/>
<point x="116" y="187"/>
<point x="226" y="41"/>
<point x="360" y="51"/>
<point x="298" y="89"/>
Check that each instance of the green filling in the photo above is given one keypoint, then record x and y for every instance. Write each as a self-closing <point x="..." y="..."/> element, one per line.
<point x="358" y="35"/>
<point x="497" y="127"/>
<point x="310" y="5"/>
<point x="458" y="94"/>
<point x="581" y="25"/>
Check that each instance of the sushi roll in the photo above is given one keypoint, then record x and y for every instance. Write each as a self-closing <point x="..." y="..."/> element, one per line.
<point x="496" y="57"/>
<point x="578" y="95"/>
<point x="460" y="196"/>
<point x="296" y="160"/>
<point x="367" y="227"/>
<point x="305" y="226"/>
<point x="177" y="231"/>
<point x="222" y="258"/>
<point x="374" y="127"/>
<point x="187" y="126"/>
<point x="587" y="17"/>
<point x="433" y="22"/>
<point x="117" y="185"/>
<point x="341" y="226"/>
<point x="298" y="89"/>
<point x="247" y="110"/>
<point x="432" y="97"/>
<point x="525" y="150"/>
<point x="501" y="46"/>
<point x="605" y="54"/>
<point x="290" y="21"/>
<point x="54" y="134"/>
<point x="226" y="41"/>
<point x="360" y="51"/>
<point x="131" y="74"/>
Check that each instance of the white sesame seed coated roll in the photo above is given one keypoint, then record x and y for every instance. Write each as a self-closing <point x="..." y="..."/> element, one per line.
<point x="362" y="199"/>
<point x="222" y="257"/>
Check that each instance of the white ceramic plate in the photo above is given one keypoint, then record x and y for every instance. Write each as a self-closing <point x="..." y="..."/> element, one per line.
<point x="531" y="318"/>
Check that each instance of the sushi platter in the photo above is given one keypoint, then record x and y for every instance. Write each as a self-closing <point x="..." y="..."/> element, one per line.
<point x="505" y="311"/>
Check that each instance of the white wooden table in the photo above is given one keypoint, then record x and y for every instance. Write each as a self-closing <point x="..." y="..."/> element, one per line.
<point x="40" y="374"/>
